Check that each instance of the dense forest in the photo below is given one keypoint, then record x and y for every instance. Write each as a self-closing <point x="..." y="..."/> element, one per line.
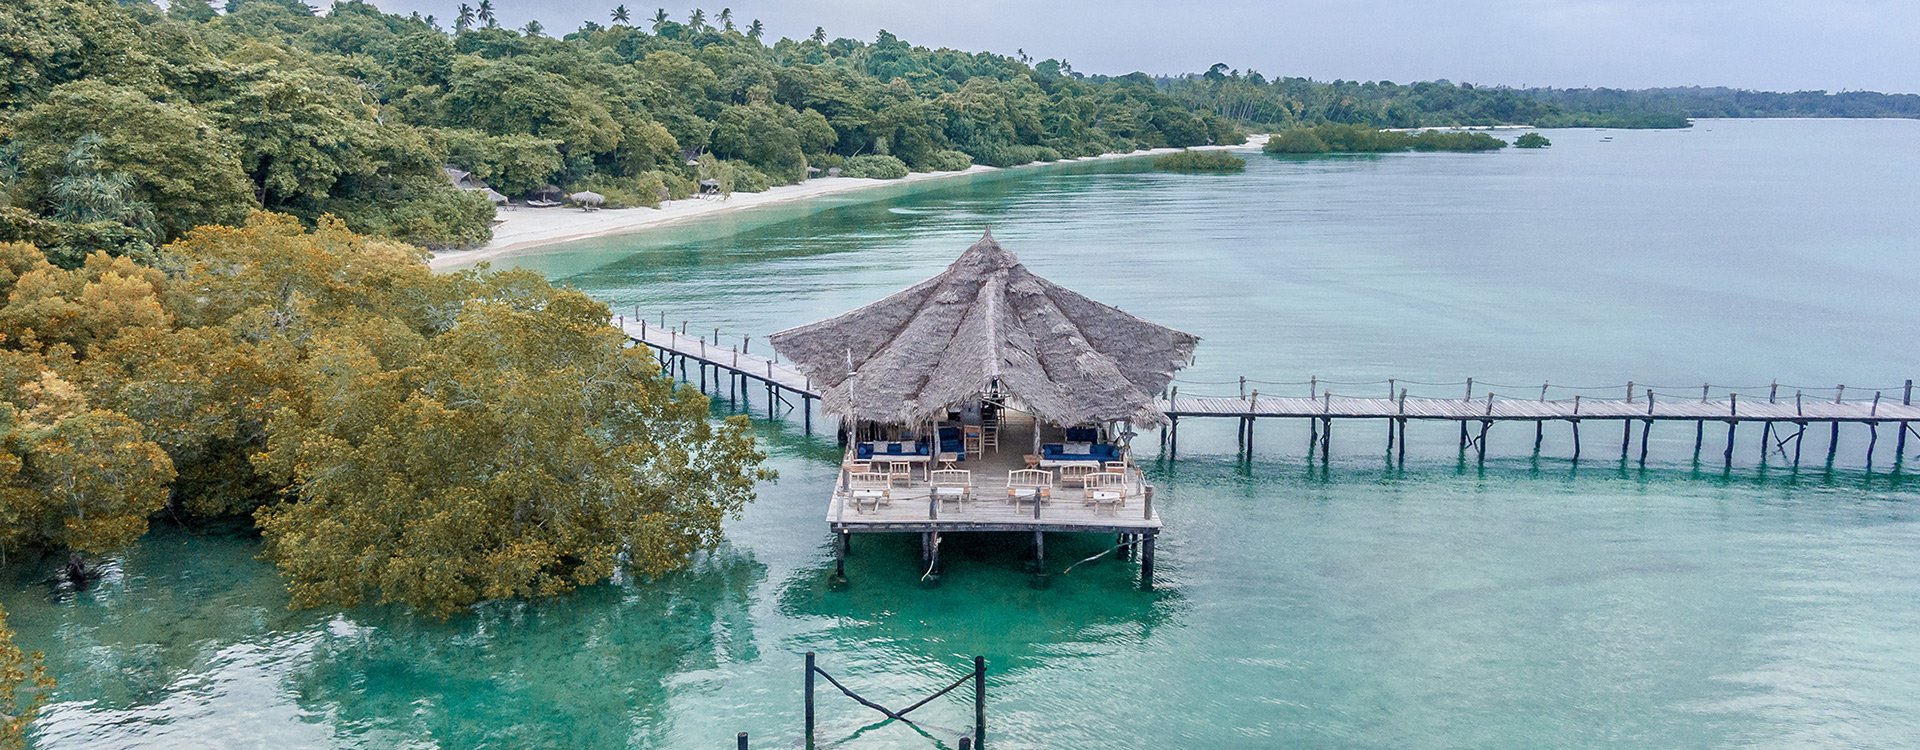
<point x="125" y="124"/>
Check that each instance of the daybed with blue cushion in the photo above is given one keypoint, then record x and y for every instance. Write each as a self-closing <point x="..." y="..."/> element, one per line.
<point x="884" y="449"/>
<point x="1093" y="452"/>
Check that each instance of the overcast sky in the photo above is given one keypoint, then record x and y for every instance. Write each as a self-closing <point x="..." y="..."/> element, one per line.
<point x="1761" y="44"/>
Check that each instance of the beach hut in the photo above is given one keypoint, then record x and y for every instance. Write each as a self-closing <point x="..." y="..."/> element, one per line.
<point x="1033" y="389"/>
<point x="588" y="200"/>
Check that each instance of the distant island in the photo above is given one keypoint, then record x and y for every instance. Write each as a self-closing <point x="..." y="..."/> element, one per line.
<point x="1249" y="97"/>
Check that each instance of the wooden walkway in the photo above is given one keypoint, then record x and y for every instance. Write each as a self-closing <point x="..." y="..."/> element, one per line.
<point x="1771" y="410"/>
<point x="684" y="351"/>
<point x="679" y="350"/>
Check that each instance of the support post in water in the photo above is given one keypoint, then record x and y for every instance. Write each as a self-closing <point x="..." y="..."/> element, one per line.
<point x="979" y="701"/>
<point x="740" y="741"/>
<point x="809" y="699"/>
<point x="1146" y="561"/>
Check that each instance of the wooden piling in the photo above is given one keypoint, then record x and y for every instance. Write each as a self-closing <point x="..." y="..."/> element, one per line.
<point x="979" y="702"/>
<point x="1326" y="439"/>
<point x="1146" y="560"/>
<point x="809" y="700"/>
<point x="1646" y="429"/>
<point x="1731" y="424"/>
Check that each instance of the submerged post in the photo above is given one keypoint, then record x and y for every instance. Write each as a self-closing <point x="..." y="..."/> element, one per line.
<point x="809" y="699"/>
<point x="1146" y="561"/>
<point x="979" y="701"/>
<point x="740" y="741"/>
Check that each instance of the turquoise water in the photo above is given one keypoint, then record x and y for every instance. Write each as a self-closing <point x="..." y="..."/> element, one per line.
<point x="1530" y="603"/>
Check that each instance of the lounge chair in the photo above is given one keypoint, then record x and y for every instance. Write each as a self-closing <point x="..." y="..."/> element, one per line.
<point x="954" y="485"/>
<point x="869" y="488"/>
<point x="1105" y="488"/>
<point x="1029" y="486"/>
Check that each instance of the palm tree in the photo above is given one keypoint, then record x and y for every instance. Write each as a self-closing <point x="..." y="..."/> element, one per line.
<point x="464" y="20"/>
<point x="697" y="20"/>
<point x="432" y="23"/>
<point x="660" y="19"/>
<point x="726" y="18"/>
<point x="533" y="28"/>
<point x="819" y="35"/>
<point x="754" y="30"/>
<point x="620" y="14"/>
<point x="486" y="14"/>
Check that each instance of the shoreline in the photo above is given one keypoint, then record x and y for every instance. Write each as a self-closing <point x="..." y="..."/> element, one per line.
<point x="524" y="229"/>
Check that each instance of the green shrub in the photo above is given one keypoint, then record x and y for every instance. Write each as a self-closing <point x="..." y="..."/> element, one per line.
<point x="422" y="211"/>
<point x="624" y="192"/>
<point x="679" y="186"/>
<point x="1008" y="155"/>
<point x="1200" y="161"/>
<point x="746" y="179"/>
<point x="1360" y="139"/>
<point x="1532" y="140"/>
<point x="949" y="161"/>
<point x="875" y="166"/>
<point x="1295" y="141"/>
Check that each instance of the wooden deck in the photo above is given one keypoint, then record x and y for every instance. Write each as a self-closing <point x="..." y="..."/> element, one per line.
<point x="912" y="508"/>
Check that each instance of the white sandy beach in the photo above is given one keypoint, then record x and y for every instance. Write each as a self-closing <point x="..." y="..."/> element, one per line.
<point x="524" y="228"/>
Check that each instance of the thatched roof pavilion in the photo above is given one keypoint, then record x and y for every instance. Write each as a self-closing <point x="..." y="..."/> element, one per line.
<point x="987" y="325"/>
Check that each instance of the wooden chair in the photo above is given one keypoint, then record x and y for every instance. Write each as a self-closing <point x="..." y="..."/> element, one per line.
<point x="1105" y="488"/>
<point x="869" y="488"/>
<point x="954" y="485"/>
<point x="1118" y="467"/>
<point x="1075" y="474"/>
<point x="970" y="440"/>
<point x="1029" y="485"/>
<point x="896" y="471"/>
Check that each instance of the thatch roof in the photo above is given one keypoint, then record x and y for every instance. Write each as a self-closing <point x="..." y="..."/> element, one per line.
<point x="587" y="198"/>
<point x="988" y="320"/>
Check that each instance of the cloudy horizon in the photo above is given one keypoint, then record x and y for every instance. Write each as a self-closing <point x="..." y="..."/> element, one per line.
<point x="1764" y="44"/>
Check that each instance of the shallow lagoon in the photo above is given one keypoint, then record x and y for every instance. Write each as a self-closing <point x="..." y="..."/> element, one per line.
<point x="1532" y="602"/>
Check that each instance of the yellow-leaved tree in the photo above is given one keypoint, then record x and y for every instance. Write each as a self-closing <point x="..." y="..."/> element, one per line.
<point x="73" y="475"/>
<point x="443" y="440"/>
<point x="23" y="688"/>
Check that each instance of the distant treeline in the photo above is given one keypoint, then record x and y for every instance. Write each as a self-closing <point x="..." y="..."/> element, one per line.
<point x="1252" y="98"/>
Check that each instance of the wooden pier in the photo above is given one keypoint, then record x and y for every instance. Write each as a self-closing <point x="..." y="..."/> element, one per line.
<point x="678" y="351"/>
<point x="1783" y="417"/>
<point x="1783" y="414"/>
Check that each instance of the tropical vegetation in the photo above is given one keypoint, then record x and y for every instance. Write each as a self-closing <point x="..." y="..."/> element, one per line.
<point x="23" y="688"/>
<point x="125" y="125"/>
<point x="1531" y="140"/>
<point x="396" y="435"/>
<point x="1200" y="161"/>
<point x="1360" y="139"/>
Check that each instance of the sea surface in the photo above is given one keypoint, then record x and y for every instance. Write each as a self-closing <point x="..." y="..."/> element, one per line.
<point x="1530" y="602"/>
